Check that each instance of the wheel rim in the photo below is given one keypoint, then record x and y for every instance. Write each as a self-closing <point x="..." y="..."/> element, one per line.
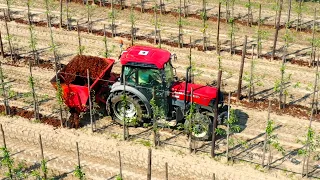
<point x="130" y="111"/>
<point x="201" y="127"/>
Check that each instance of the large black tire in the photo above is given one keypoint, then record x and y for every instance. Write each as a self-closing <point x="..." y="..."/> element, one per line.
<point x="136" y="110"/>
<point x="202" y="128"/>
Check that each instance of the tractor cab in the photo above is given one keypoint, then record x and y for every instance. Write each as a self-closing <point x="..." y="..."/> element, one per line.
<point x="148" y="70"/>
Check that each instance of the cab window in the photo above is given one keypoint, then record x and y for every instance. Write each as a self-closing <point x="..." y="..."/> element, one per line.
<point x="130" y="75"/>
<point x="149" y="77"/>
<point x="169" y="74"/>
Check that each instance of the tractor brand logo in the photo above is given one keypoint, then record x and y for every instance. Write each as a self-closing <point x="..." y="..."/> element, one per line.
<point x="143" y="53"/>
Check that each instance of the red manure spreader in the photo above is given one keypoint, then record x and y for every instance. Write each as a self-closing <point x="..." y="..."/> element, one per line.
<point x="148" y="82"/>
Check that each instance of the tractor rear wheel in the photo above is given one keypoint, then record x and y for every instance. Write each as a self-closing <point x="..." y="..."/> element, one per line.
<point x="201" y="126"/>
<point x="133" y="109"/>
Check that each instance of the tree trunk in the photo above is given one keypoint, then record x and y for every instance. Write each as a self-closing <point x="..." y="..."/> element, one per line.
<point x="249" y="9"/>
<point x="160" y="7"/>
<point x="9" y="37"/>
<point x="251" y="76"/>
<point x="185" y="9"/>
<point x="79" y="39"/>
<point x="159" y="38"/>
<point x="125" y="130"/>
<point x="266" y="137"/>
<point x="155" y="24"/>
<point x="90" y="100"/>
<point x="105" y="40"/>
<point x="47" y="13"/>
<point x="232" y="9"/>
<point x="289" y="13"/>
<point x="61" y="13"/>
<point x="213" y="144"/>
<point x="120" y="165"/>
<point x="282" y="82"/>
<point x="4" y="94"/>
<point x="313" y="33"/>
<point x="228" y="127"/>
<point x="269" y="156"/>
<point x="142" y="6"/>
<point x="1" y="46"/>
<point x="227" y="10"/>
<point x="275" y="17"/>
<point x="277" y="31"/>
<point x="244" y="49"/>
<point x="149" y="164"/>
<point x="259" y="43"/>
<point x="179" y="36"/>
<point x="132" y="25"/>
<point x="218" y="29"/>
<point x="8" y="10"/>
<point x="299" y="16"/>
<point x="32" y="40"/>
<point x="155" y="122"/>
<point x="231" y="37"/>
<point x="204" y="11"/>
<point x="68" y="20"/>
<point x="112" y="20"/>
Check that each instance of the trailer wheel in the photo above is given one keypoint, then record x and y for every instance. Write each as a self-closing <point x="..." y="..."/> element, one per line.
<point x="201" y="127"/>
<point x="134" y="111"/>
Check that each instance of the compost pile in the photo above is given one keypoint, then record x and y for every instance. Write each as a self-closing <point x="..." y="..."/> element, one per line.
<point x="77" y="68"/>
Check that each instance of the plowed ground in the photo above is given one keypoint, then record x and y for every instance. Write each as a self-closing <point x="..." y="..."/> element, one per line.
<point x="249" y="141"/>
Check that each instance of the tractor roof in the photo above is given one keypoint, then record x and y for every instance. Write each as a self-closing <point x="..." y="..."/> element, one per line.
<point x="145" y="56"/>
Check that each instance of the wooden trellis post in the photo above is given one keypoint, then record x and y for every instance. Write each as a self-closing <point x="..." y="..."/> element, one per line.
<point x="244" y="50"/>
<point x="42" y="155"/>
<point x="215" y="122"/>
<point x="120" y="164"/>
<point x="218" y="30"/>
<point x="90" y="101"/>
<point x="149" y="164"/>
<point x="1" y="46"/>
<point x="9" y="36"/>
<point x="3" y="137"/>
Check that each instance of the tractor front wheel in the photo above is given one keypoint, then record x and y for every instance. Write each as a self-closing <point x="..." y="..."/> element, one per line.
<point x="200" y="127"/>
<point x="129" y="107"/>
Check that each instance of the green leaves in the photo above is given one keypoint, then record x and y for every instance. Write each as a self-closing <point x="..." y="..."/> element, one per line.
<point x="81" y="50"/>
<point x="311" y="143"/>
<point x="33" y="40"/>
<point x="78" y="173"/>
<point x="248" y="5"/>
<point x="270" y="127"/>
<point x="220" y="131"/>
<point x="7" y="161"/>
<point x="44" y="167"/>
<point x="272" y="138"/>
<point x="118" y="177"/>
<point x="31" y="82"/>
<point x="158" y="112"/>
<point x="59" y="93"/>
<point x="232" y="121"/>
<point x="112" y="15"/>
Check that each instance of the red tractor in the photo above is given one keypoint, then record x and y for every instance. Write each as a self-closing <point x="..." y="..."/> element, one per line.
<point x="149" y="77"/>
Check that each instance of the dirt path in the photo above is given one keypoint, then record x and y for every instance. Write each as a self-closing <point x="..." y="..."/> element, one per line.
<point x="206" y="71"/>
<point x="98" y="152"/>
<point x="299" y="48"/>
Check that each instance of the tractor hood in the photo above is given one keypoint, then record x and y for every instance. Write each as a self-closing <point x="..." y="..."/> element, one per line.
<point x="202" y="95"/>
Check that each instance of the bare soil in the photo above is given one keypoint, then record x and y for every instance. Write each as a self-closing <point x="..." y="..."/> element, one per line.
<point x="291" y="122"/>
<point x="79" y="65"/>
